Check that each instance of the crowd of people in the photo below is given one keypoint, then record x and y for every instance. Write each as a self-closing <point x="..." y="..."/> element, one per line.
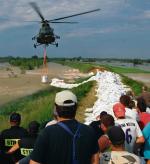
<point x="123" y="137"/>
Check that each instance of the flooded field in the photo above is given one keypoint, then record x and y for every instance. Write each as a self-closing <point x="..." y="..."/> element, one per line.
<point x="142" y="77"/>
<point x="145" y="78"/>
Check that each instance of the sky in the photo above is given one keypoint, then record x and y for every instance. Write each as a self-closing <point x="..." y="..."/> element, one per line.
<point x="121" y="29"/>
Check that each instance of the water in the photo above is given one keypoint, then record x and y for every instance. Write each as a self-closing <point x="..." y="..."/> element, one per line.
<point x="144" y="66"/>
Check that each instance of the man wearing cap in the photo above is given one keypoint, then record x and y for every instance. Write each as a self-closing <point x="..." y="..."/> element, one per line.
<point x="133" y="133"/>
<point x="117" y="155"/>
<point x="55" y="143"/>
<point x="11" y="136"/>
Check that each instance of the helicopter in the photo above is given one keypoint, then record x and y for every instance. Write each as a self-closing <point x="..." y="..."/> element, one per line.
<point x="46" y="33"/>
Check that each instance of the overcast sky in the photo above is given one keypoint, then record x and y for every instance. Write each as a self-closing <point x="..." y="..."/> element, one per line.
<point x="120" y="29"/>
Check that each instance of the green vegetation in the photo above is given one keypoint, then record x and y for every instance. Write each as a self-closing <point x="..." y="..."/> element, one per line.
<point x="83" y="67"/>
<point x="38" y="106"/>
<point x="134" y="85"/>
<point x="26" y="63"/>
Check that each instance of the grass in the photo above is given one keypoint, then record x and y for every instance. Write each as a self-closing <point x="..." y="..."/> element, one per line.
<point x="87" y="102"/>
<point x="83" y="67"/>
<point x="134" y="85"/>
<point x="38" y="106"/>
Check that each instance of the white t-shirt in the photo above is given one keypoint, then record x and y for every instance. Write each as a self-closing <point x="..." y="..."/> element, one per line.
<point x="119" y="157"/>
<point x="131" y="130"/>
<point x="51" y="123"/>
<point x="131" y="113"/>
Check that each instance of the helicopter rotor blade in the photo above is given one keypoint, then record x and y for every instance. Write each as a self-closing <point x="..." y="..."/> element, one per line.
<point x="63" y="22"/>
<point x="73" y="15"/>
<point x="37" y="9"/>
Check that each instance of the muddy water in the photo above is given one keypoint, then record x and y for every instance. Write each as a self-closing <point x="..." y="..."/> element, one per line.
<point x="142" y="77"/>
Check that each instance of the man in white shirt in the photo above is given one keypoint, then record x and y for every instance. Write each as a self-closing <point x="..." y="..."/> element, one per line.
<point x="117" y="155"/>
<point x="133" y="133"/>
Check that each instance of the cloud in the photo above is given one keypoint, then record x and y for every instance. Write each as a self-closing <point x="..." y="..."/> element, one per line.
<point x="87" y="32"/>
<point x="145" y="14"/>
<point x="15" y="12"/>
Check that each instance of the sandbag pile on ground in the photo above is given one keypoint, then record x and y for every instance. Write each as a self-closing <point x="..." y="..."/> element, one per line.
<point x="109" y="89"/>
<point x="61" y="84"/>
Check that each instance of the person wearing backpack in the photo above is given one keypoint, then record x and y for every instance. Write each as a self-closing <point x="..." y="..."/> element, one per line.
<point x="68" y="141"/>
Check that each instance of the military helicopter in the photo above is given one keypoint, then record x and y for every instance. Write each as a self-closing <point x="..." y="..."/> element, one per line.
<point x="46" y="33"/>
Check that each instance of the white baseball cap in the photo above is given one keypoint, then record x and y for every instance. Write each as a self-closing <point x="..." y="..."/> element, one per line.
<point x="63" y="96"/>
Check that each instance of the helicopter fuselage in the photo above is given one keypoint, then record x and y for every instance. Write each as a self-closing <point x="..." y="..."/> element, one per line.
<point x="46" y="35"/>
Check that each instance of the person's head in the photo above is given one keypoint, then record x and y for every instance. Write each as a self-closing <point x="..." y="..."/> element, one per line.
<point x="119" y="110"/>
<point x="33" y="128"/>
<point x="144" y="88"/>
<point x="15" y="119"/>
<point x="141" y="104"/>
<point x="132" y="104"/>
<point x="107" y="121"/>
<point x="116" y="136"/>
<point x="66" y="104"/>
<point x="103" y="113"/>
<point x="125" y="100"/>
<point x="130" y="93"/>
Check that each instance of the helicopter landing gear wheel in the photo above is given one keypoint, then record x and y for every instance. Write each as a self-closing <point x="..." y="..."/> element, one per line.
<point x="56" y="44"/>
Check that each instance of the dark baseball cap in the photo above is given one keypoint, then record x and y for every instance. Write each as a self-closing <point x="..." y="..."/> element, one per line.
<point x="116" y="135"/>
<point x="15" y="117"/>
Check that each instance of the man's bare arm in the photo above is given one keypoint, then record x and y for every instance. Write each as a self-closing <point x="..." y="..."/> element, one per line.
<point x="95" y="158"/>
<point x="140" y="140"/>
<point x="33" y="162"/>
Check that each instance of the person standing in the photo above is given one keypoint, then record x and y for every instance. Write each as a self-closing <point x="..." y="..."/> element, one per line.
<point x="144" y="117"/>
<point x="96" y="125"/>
<point x="26" y="145"/>
<point x="118" y="154"/>
<point x="146" y="95"/>
<point x="68" y="141"/>
<point x="146" y="151"/>
<point x="107" y="122"/>
<point x="130" y="127"/>
<point x="11" y="136"/>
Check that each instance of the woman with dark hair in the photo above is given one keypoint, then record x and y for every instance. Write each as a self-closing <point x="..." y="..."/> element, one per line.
<point x="143" y="115"/>
<point x="130" y="112"/>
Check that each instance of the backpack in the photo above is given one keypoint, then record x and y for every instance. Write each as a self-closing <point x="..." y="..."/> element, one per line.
<point x="74" y="138"/>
